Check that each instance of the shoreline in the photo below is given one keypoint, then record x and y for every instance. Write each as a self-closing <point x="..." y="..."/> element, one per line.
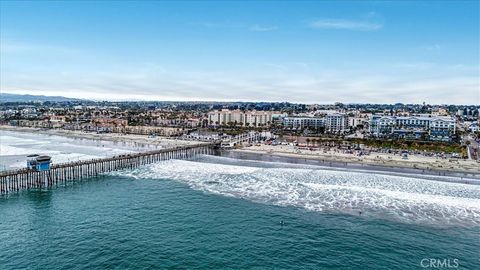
<point x="419" y="168"/>
<point x="113" y="137"/>
<point x="418" y="162"/>
<point x="433" y="174"/>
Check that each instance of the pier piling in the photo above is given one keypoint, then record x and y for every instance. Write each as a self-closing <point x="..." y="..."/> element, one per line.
<point x="61" y="174"/>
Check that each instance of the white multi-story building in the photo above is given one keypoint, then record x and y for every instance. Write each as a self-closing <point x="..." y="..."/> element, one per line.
<point x="241" y="118"/>
<point x="439" y="128"/>
<point x="356" y="121"/>
<point x="336" y="122"/>
<point x="473" y="127"/>
<point x="294" y="122"/>
<point x="205" y="136"/>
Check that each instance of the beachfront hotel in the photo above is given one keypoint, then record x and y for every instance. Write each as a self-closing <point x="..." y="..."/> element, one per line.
<point x="336" y="122"/>
<point x="241" y="118"/>
<point x="299" y="122"/>
<point x="332" y="122"/>
<point x="436" y="128"/>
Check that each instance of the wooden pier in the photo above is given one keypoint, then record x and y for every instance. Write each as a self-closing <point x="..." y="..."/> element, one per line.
<point x="22" y="179"/>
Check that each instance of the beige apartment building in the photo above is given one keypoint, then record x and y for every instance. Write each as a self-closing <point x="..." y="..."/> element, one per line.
<point x="241" y="118"/>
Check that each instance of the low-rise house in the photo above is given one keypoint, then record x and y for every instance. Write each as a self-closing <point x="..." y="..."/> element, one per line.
<point x="108" y="122"/>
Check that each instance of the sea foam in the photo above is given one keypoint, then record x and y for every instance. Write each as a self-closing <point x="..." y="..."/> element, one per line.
<point x="404" y="199"/>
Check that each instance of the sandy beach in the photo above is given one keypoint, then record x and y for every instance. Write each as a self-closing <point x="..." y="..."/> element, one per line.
<point x="418" y="162"/>
<point x="115" y="137"/>
<point x="69" y="146"/>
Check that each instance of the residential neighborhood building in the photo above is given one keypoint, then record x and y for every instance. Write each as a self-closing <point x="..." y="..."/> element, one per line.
<point x="109" y="122"/>
<point x="438" y="128"/>
<point x="336" y="122"/>
<point x="297" y="123"/>
<point x="241" y="118"/>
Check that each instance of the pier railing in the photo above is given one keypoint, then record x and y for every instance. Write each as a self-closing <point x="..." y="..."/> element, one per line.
<point x="58" y="174"/>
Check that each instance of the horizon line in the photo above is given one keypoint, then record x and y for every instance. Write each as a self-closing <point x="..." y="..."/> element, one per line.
<point x="236" y="101"/>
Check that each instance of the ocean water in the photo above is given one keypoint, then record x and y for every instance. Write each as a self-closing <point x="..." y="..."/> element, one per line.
<point x="221" y="213"/>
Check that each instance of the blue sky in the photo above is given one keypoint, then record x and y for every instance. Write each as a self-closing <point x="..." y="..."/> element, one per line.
<point x="312" y="52"/>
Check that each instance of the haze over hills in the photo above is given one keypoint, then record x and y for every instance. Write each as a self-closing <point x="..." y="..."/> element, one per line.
<point x="6" y="97"/>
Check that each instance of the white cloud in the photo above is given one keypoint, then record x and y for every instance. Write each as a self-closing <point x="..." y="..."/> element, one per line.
<point x="13" y="46"/>
<point x="142" y="83"/>
<point x="256" y="81"/>
<point x="260" y="28"/>
<point x="236" y="25"/>
<point x="276" y="67"/>
<point x="415" y="66"/>
<point x="434" y="47"/>
<point x="221" y="25"/>
<point x="371" y="14"/>
<point x="345" y="25"/>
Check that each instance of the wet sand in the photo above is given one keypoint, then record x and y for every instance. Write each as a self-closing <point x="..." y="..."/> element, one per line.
<point x="115" y="137"/>
<point x="445" y="174"/>
<point x="381" y="162"/>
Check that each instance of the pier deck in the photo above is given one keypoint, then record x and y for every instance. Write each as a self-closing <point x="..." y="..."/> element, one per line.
<point x="58" y="174"/>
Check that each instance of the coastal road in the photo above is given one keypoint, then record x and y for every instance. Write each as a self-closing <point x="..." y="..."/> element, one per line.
<point x="473" y="147"/>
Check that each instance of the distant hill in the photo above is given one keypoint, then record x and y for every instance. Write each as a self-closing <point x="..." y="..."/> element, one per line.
<point x="5" y="97"/>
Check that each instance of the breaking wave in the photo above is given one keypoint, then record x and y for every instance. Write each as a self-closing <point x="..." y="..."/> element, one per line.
<point x="404" y="199"/>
